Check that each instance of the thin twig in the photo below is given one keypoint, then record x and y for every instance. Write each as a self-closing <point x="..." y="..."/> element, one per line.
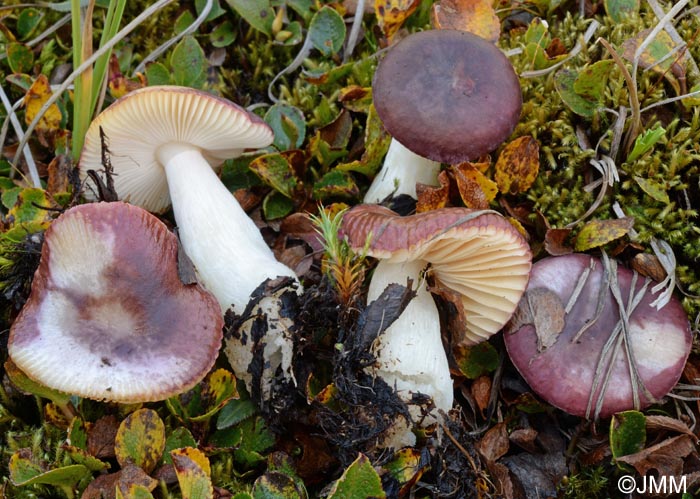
<point x="23" y="148"/>
<point x="355" y="30"/>
<point x="85" y="65"/>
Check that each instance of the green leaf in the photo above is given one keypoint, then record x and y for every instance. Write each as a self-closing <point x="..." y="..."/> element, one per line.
<point x="140" y="440"/>
<point x="336" y="184"/>
<point x="29" y="207"/>
<point x="276" y="171"/>
<point x="377" y="141"/>
<point x="327" y="31"/>
<point x="80" y="456"/>
<point x="157" y="74"/>
<point x="27" y="21"/>
<point x="302" y="7"/>
<point x="189" y="63"/>
<point x="275" y="485"/>
<point x="628" y="433"/>
<point x="359" y="481"/>
<point x="215" y="12"/>
<point x="653" y="189"/>
<point x="618" y="10"/>
<point x="564" y="81"/>
<point x="22" y="381"/>
<point x="258" y="13"/>
<point x="275" y="206"/>
<point x="223" y="35"/>
<point x="228" y="438"/>
<point x="592" y="80"/>
<point x="257" y="438"/>
<point x="19" y="57"/>
<point x="474" y="361"/>
<point x="183" y="21"/>
<point x="288" y="124"/>
<point x="179" y="438"/>
<point x="291" y="34"/>
<point x="77" y="433"/>
<point x="234" y="412"/>
<point x="24" y="472"/>
<point x="644" y="142"/>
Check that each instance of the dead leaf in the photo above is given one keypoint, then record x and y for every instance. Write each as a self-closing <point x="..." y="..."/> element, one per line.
<point x="518" y="165"/>
<point x="655" y="57"/>
<point x="665" y="457"/>
<point x="391" y="14"/>
<point x="525" y="438"/>
<point x="101" y="435"/>
<point x="481" y="391"/>
<point x="648" y="265"/>
<point x="599" y="232"/>
<point x="475" y="188"/>
<point x="34" y="99"/>
<point x="494" y="444"/>
<point x="474" y="16"/>
<point x="542" y="308"/>
<point x="431" y="197"/>
<point x="119" y="85"/>
<point x="555" y="242"/>
<point x="132" y="475"/>
<point x="667" y="423"/>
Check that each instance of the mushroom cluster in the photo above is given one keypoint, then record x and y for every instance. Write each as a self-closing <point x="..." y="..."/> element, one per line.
<point x="108" y="317"/>
<point x="445" y="96"/>
<point x="167" y="141"/>
<point x="477" y="256"/>
<point x="588" y="340"/>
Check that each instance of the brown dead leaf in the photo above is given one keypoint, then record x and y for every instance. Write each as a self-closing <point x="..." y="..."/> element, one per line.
<point x="655" y="422"/>
<point x="649" y="266"/>
<point x="34" y="99"/>
<point x="391" y="14"/>
<point x="132" y="475"/>
<point x="59" y="169"/>
<point x="543" y="309"/>
<point x="431" y="197"/>
<point x="101" y="435"/>
<point x="525" y="439"/>
<point x="518" y="165"/>
<point x="665" y="457"/>
<point x="474" y="16"/>
<point x="102" y="487"/>
<point x="475" y="189"/>
<point x="481" y="392"/>
<point x="555" y="242"/>
<point x="494" y="444"/>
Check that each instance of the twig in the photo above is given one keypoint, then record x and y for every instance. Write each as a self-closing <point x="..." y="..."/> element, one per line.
<point x="304" y="52"/>
<point x="355" y="30"/>
<point x="23" y="148"/>
<point x="85" y="65"/>
<point x="187" y="31"/>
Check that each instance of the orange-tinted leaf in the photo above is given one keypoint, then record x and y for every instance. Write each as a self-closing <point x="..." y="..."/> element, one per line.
<point x="119" y="85"/>
<point x="475" y="189"/>
<point x="481" y="391"/>
<point x="518" y="165"/>
<point x="432" y="198"/>
<point x="36" y="96"/>
<point x="140" y="440"/>
<point x="193" y="473"/>
<point x="475" y="16"/>
<point x="391" y="14"/>
<point x="649" y="266"/>
<point x="599" y="232"/>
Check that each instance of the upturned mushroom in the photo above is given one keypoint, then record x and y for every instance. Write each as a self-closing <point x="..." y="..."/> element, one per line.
<point x="445" y="96"/>
<point x="108" y="317"/>
<point x="477" y="255"/>
<point x="165" y="143"/>
<point x="587" y="339"/>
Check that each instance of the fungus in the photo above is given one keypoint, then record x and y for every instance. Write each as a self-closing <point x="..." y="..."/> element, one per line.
<point x="108" y="317"/>
<point x="165" y="142"/>
<point x="445" y="96"/>
<point x="583" y="325"/>
<point x="478" y="255"/>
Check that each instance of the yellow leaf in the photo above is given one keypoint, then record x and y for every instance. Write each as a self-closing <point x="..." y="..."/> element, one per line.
<point x="518" y="165"/>
<point x="474" y="16"/>
<point x="36" y="96"/>
<point x="391" y="14"/>
<point x="193" y="473"/>
<point x="140" y="440"/>
<point x="599" y="232"/>
<point x="475" y="188"/>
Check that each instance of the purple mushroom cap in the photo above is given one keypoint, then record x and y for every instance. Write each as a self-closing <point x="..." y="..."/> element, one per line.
<point x="559" y="360"/>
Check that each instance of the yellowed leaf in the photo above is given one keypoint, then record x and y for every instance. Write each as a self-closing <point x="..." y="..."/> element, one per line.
<point x="35" y="98"/>
<point x="475" y="188"/>
<point x="432" y="198"/>
<point x="518" y="165"/>
<point x="140" y="440"/>
<point x="193" y="473"/>
<point x="599" y="232"/>
<point x="475" y="16"/>
<point x="391" y="14"/>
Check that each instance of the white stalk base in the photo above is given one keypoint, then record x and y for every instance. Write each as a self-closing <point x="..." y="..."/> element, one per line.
<point x="410" y="355"/>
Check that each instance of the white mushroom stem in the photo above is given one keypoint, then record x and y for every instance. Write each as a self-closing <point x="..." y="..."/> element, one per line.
<point x="225" y="246"/>
<point x="410" y="355"/>
<point x="401" y="171"/>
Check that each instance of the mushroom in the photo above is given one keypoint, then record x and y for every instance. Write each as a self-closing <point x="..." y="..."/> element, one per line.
<point x="478" y="255"/>
<point x="108" y="317"/>
<point x="575" y="347"/>
<point x="445" y="96"/>
<point x="164" y="143"/>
